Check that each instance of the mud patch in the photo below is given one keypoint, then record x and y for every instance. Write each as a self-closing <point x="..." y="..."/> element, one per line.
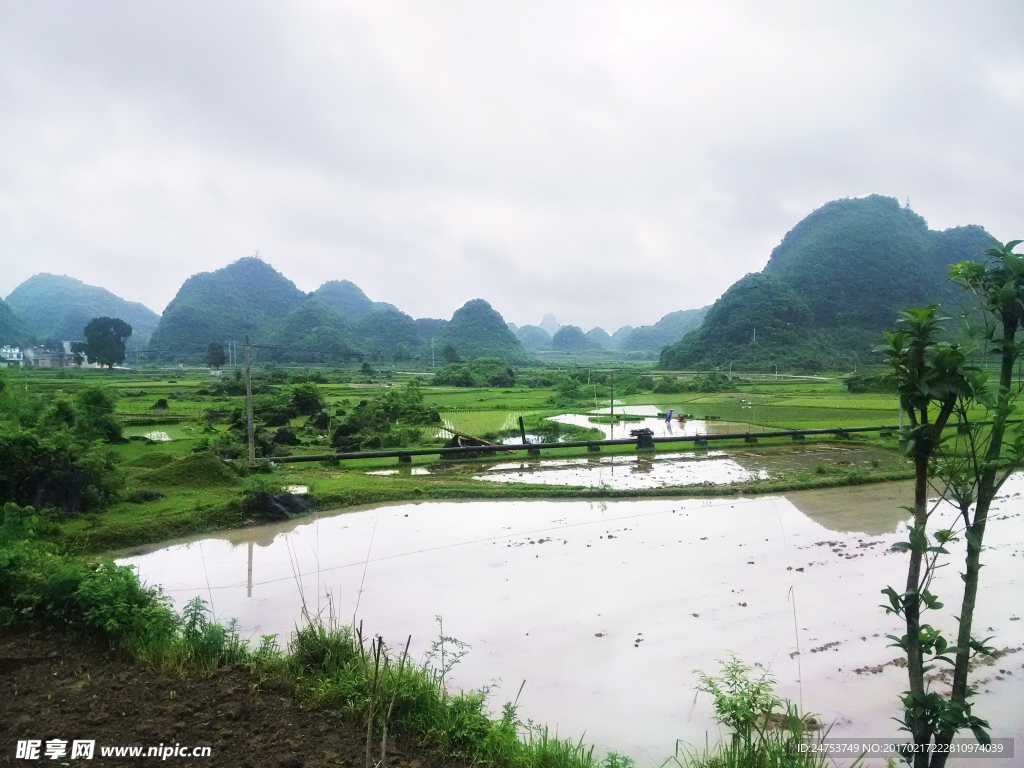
<point x="56" y="687"/>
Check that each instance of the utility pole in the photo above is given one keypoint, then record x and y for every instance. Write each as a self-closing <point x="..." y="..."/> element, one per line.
<point x="248" y="402"/>
<point x="611" y="423"/>
<point x="431" y="353"/>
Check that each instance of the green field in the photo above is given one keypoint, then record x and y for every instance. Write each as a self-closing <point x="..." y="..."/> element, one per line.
<point x="197" y="498"/>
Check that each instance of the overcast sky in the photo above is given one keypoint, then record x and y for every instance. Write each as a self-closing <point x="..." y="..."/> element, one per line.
<point x="608" y="162"/>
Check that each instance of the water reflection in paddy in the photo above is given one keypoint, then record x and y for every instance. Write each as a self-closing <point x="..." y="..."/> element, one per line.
<point x="651" y="419"/>
<point x="627" y="471"/>
<point x="606" y="608"/>
<point x="624" y="471"/>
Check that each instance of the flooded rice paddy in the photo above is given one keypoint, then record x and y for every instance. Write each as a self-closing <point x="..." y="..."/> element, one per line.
<point x="659" y="425"/>
<point x="606" y="608"/>
<point x="638" y="471"/>
<point x="627" y="472"/>
<point x="664" y="469"/>
<point x="641" y="417"/>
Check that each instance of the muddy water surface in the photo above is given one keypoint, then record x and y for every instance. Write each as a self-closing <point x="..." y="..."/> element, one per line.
<point x="665" y="469"/>
<point x="605" y="609"/>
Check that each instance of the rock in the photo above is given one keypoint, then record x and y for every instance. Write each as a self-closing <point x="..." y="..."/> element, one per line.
<point x="285" y="436"/>
<point x="321" y="420"/>
<point x="342" y="432"/>
<point x="279" y="506"/>
<point x="344" y="442"/>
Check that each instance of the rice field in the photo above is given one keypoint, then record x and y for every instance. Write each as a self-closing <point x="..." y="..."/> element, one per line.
<point x="481" y="423"/>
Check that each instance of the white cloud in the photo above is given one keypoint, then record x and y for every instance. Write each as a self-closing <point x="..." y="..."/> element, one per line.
<point x="608" y="162"/>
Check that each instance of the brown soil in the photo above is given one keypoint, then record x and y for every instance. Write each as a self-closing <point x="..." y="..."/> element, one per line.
<point x="57" y="687"/>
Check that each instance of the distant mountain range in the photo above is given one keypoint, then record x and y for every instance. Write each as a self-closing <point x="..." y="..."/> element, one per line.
<point x="335" y="323"/>
<point x="833" y="283"/>
<point x="646" y="338"/>
<point x="831" y="286"/>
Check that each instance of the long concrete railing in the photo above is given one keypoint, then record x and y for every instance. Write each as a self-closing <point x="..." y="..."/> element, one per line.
<point x="641" y="443"/>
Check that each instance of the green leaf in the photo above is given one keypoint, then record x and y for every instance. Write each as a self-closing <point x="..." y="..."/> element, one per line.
<point x="898" y="642"/>
<point x="981" y="734"/>
<point x="895" y="600"/>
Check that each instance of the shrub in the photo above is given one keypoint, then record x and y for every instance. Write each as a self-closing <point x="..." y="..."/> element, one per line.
<point x="60" y="472"/>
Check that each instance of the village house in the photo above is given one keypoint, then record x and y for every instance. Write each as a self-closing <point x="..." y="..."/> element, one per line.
<point x="41" y="357"/>
<point x="10" y="356"/>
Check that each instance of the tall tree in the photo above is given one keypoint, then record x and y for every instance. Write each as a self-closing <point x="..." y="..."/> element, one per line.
<point x="105" y="339"/>
<point x="215" y="356"/>
<point x="936" y="384"/>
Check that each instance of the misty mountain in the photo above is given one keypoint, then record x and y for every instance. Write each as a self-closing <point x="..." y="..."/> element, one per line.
<point x="251" y="297"/>
<point x="534" y="338"/>
<point x="245" y="297"/>
<point x="671" y="328"/>
<point x="600" y="337"/>
<point x="621" y="334"/>
<point x="550" y="324"/>
<point x="59" y="307"/>
<point x="312" y="333"/>
<point x="571" y="338"/>
<point x="348" y="299"/>
<point x="13" y="331"/>
<point x="389" y="332"/>
<point x="477" y="330"/>
<point x="836" y="280"/>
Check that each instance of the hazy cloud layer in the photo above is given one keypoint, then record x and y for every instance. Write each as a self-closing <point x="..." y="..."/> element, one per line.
<point x="608" y="162"/>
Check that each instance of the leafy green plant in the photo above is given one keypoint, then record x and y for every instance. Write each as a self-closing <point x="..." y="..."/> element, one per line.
<point x="767" y="731"/>
<point x="936" y="384"/>
<point x="742" y="704"/>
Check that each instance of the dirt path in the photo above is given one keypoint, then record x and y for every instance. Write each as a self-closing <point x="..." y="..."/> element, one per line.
<point x="56" y="687"/>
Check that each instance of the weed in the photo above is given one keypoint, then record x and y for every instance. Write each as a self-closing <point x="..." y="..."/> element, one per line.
<point x="761" y="736"/>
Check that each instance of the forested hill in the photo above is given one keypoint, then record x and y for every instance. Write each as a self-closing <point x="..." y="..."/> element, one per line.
<point x="830" y="287"/>
<point x="59" y="307"/>
<point x="477" y="330"/>
<point x="347" y="299"/>
<point x="337" y="323"/>
<point x="13" y="330"/>
<point x="246" y="297"/>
